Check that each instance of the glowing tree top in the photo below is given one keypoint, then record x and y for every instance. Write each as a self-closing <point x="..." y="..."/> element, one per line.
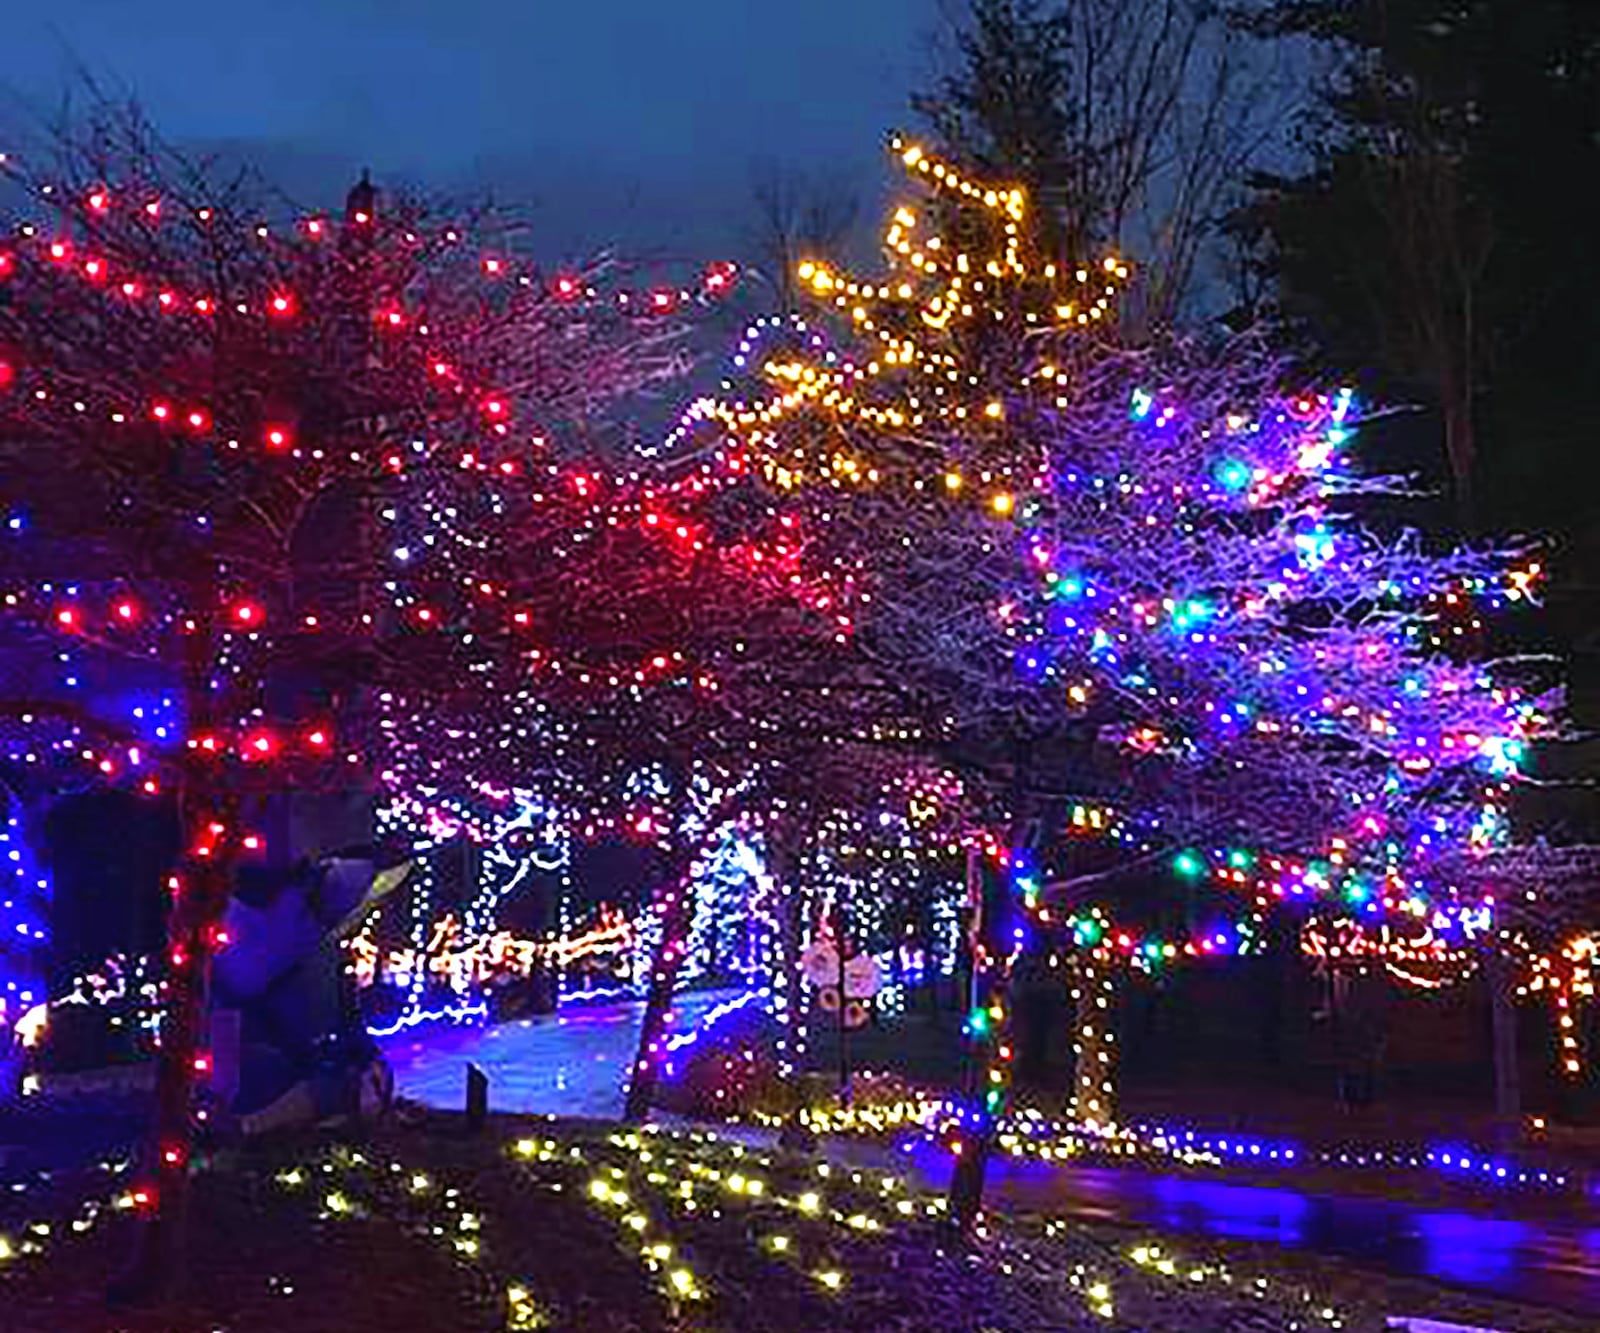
<point x="1207" y="593"/>
<point x="938" y="344"/>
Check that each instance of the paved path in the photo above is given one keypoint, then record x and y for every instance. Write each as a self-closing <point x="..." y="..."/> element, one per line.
<point x="570" y="1064"/>
<point x="1549" y="1262"/>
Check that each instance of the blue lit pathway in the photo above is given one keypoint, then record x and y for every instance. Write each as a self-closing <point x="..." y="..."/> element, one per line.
<point x="1552" y="1261"/>
<point x="571" y="1064"/>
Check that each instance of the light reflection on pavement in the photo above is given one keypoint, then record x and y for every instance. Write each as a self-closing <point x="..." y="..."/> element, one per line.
<point x="567" y="1064"/>
<point x="1550" y="1262"/>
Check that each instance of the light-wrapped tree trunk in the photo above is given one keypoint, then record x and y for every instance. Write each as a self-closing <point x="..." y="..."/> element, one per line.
<point x="1094" y="1079"/>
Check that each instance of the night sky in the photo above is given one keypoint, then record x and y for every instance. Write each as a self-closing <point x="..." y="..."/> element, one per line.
<point x="626" y="121"/>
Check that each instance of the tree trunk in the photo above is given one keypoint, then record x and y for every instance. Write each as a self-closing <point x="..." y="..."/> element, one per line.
<point x="1460" y="441"/>
<point x="974" y="1143"/>
<point x="199" y="889"/>
<point x="1507" y="1075"/>
<point x="988" y="1029"/>
<point x="966" y="1184"/>
<point x="199" y="895"/>
<point x="787" y="981"/>
<point x="1573" y="1037"/>
<point x="677" y="914"/>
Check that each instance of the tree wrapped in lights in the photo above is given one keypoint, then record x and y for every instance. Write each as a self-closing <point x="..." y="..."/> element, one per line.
<point x="1146" y="599"/>
<point x="202" y="399"/>
<point x="24" y="897"/>
<point x="655" y="652"/>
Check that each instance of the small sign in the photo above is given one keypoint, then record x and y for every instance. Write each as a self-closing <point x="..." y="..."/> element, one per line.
<point x="861" y="975"/>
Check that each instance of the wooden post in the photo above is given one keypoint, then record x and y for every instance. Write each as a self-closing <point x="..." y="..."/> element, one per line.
<point x="477" y="1099"/>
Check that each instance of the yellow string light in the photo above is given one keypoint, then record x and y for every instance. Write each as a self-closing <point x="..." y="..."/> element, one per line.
<point x="938" y="286"/>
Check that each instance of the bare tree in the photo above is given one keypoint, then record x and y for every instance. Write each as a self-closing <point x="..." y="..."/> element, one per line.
<point x="795" y="216"/>
<point x="1387" y="244"/>
<point x="1132" y="123"/>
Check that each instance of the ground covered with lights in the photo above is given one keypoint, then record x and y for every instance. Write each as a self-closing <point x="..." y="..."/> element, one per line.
<point x="536" y="1224"/>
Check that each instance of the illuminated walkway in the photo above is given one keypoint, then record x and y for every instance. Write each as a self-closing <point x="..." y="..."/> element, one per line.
<point x="570" y="1064"/>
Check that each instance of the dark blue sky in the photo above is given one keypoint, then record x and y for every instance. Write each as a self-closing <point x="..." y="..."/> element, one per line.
<point x="624" y="120"/>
